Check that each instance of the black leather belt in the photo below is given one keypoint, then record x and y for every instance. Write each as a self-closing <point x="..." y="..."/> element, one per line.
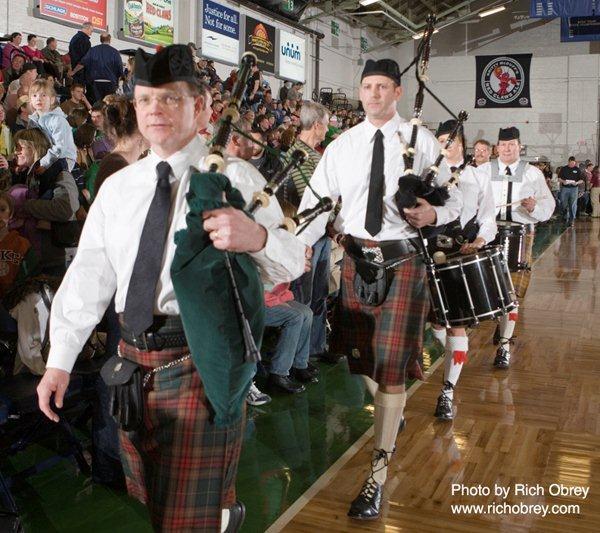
<point x="378" y="251"/>
<point x="165" y="332"/>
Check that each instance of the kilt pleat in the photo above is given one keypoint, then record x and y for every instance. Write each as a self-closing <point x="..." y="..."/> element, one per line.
<point x="379" y="341"/>
<point x="179" y="464"/>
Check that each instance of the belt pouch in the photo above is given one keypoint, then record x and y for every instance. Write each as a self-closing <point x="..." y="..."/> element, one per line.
<point x="371" y="282"/>
<point x="124" y="380"/>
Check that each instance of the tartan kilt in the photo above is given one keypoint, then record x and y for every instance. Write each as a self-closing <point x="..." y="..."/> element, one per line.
<point x="521" y="279"/>
<point x="179" y="464"/>
<point x="379" y="341"/>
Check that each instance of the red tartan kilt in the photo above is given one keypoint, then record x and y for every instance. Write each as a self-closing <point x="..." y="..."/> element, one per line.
<point x="180" y="464"/>
<point x="379" y="341"/>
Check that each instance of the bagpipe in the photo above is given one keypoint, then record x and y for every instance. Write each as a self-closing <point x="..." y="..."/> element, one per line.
<point x="211" y="189"/>
<point x="410" y="185"/>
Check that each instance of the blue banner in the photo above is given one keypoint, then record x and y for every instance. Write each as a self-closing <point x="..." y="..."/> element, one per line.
<point x="221" y="19"/>
<point x="220" y="32"/>
<point x="576" y="29"/>
<point x="562" y="8"/>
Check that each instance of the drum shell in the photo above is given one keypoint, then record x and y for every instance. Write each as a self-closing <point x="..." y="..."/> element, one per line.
<point x="483" y="276"/>
<point x="511" y="238"/>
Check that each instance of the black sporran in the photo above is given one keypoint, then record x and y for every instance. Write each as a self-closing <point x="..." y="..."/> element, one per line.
<point x="125" y="383"/>
<point x="371" y="282"/>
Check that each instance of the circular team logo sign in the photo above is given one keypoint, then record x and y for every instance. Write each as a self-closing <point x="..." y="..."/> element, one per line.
<point x="502" y="80"/>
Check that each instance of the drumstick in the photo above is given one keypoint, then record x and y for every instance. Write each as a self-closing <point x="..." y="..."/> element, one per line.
<point x="518" y="202"/>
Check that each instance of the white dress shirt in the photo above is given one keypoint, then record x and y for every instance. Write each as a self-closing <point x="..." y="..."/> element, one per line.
<point x="477" y="199"/>
<point x="345" y="168"/>
<point x="110" y="239"/>
<point x="533" y="184"/>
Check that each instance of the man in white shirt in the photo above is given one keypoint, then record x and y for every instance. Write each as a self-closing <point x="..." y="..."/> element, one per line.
<point x="127" y="246"/>
<point x="382" y="308"/>
<point x="521" y="195"/>
<point x="478" y="227"/>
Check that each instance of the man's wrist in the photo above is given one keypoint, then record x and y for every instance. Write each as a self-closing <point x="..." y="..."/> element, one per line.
<point x="261" y="241"/>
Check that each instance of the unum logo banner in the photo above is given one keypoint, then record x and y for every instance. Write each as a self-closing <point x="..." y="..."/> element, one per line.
<point x="292" y="51"/>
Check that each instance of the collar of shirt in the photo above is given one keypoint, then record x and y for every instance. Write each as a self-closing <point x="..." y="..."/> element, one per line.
<point x="388" y="129"/>
<point x="513" y="166"/>
<point x="180" y="160"/>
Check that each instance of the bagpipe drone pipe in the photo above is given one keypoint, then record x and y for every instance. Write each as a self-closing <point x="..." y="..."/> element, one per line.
<point x="410" y="185"/>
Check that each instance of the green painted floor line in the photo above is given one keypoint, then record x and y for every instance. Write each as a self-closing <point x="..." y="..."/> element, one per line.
<point x="288" y="445"/>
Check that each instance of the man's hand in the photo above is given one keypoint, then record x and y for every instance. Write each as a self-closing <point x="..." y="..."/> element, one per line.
<point x="54" y="381"/>
<point x="472" y="247"/>
<point x="529" y="203"/>
<point x="308" y="252"/>
<point x="422" y="215"/>
<point x="232" y="230"/>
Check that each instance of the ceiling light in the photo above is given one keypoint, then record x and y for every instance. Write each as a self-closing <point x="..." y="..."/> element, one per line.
<point x="417" y="36"/>
<point x="492" y="11"/>
<point x="367" y="2"/>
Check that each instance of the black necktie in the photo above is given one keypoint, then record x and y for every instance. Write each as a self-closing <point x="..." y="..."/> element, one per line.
<point x="139" y="304"/>
<point x="376" y="181"/>
<point x="509" y="196"/>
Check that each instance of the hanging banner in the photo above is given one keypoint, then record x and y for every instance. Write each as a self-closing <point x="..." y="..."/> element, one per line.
<point x="576" y="29"/>
<point x="149" y="21"/>
<point x="503" y="81"/>
<point x="292" y="61"/>
<point x="562" y="8"/>
<point x="74" y="12"/>
<point x="220" y="32"/>
<point x="259" y="38"/>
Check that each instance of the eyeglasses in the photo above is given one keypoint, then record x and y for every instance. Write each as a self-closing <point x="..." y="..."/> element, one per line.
<point x="170" y="100"/>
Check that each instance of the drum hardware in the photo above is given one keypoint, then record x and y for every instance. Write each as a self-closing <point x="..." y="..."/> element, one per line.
<point x="471" y="304"/>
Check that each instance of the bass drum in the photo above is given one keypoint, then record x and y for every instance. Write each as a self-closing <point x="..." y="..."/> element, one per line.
<point x="467" y="289"/>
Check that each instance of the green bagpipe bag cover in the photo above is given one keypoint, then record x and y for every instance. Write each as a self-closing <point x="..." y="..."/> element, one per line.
<point x="206" y="300"/>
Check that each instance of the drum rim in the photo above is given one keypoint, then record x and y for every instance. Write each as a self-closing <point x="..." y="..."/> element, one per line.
<point x="498" y="312"/>
<point x="484" y="253"/>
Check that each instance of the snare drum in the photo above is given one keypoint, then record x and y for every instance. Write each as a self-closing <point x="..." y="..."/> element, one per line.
<point x="512" y="239"/>
<point x="468" y="289"/>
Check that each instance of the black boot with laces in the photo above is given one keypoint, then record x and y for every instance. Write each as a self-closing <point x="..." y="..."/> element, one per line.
<point x="367" y="505"/>
<point x="443" y="409"/>
<point x="502" y="358"/>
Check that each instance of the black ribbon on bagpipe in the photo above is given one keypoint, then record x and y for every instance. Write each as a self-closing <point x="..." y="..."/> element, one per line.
<point x="410" y="185"/>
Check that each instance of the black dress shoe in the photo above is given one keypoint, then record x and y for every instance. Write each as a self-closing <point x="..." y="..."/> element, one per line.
<point x="237" y="513"/>
<point x="443" y="409"/>
<point x="303" y="375"/>
<point x="313" y="369"/>
<point x="502" y="358"/>
<point x="284" y="384"/>
<point x="367" y="505"/>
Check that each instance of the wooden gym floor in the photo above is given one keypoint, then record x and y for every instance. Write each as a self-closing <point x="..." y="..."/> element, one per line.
<point x="534" y="427"/>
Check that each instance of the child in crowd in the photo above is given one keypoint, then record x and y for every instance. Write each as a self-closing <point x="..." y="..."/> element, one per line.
<point x="53" y="122"/>
<point x="17" y="258"/>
